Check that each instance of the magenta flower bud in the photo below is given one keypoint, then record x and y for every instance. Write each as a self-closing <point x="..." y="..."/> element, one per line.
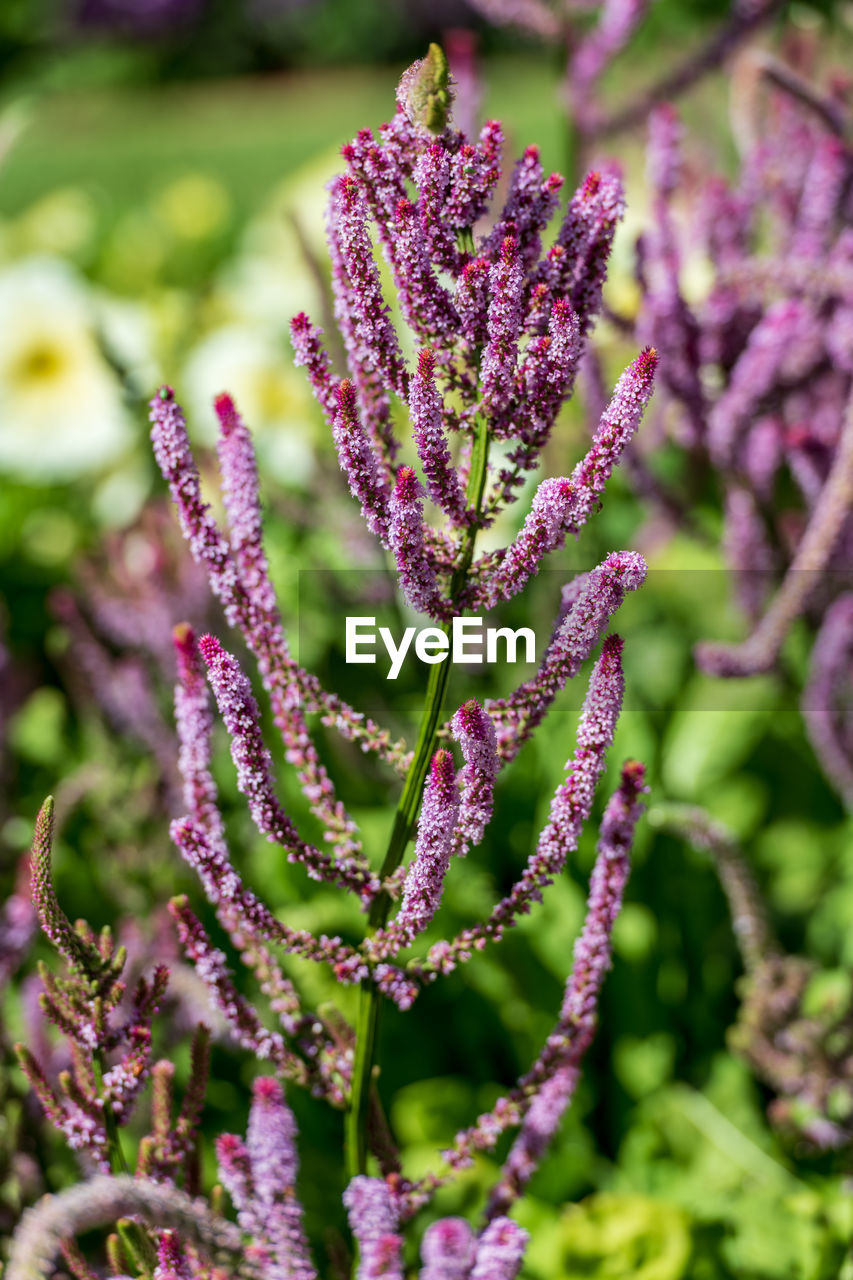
<point x="309" y="352"/>
<point x="425" y="880"/>
<point x="497" y="368"/>
<point x="235" y="1171"/>
<point x="373" y="1221"/>
<point x="407" y="536"/>
<point x="271" y="1144"/>
<point x="531" y="201"/>
<point x="174" y="457"/>
<point x="375" y="335"/>
<point x="472" y="300"/>
<point x="447" y="1250"/>
<point x="584" y="242"/>
<point x="475" y="733"/>
<point x="358" y="462"/>
<point x="588" y="605"/>
<point x="425" y="411"/>
<point x="562" y="506"/>
<point x="241" y="496"/>
<point x="500" y="1251"/>
<point x="171" y="1261"/>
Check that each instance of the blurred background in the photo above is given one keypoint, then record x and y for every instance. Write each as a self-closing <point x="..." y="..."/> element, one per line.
<point x="162" y="185"/>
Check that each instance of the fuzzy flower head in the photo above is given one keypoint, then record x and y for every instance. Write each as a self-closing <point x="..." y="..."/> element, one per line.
<point x="499" y="324"/>
<point x="424" y="93"/>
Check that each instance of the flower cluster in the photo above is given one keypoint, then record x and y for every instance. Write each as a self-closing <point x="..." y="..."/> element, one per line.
<point x="500" y="326"/>
<point x="109" y="1032"/>
<point x="760" y="374"/>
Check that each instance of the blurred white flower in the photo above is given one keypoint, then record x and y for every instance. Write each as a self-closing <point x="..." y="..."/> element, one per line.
<point x="61" y="409"/>
<point x="273" y="396"/>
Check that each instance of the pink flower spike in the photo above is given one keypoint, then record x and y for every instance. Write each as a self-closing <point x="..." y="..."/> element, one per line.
<point x="591" y="605"/>
<point x="447" y="1250"/>
<point x="500" y="1251"/>
<point x="472" y="300"/>
<point x="558" y="1069"/>
<point x="407" y="534"/>
<point x="425" y="880"/>
<point x="309" y="352"/>
<point x="562" y="506"/>
<point x="424" y="301"/>
<point x="425" y="411"/>
<point x="663" y="154"/>
<point x="171" y="1261"/>
<point x="374" y="332"/>
<point x="240" y="492"/>
<point x="474" y="173"/>
<point x="239" y="711"/>
<point x="530" y="203"/>
<point x="499" y="359"/>
<point x="235" y="1171"/>
<point x="194" y="723"/>
<point x="253" y="762"/>
<point x="212" y="967"/>
<point x="271" y="1144"/>
<point x="358" y="462"/>
<point x="373" y="1221"/>
<point x="207" y="544"/>
<point x="475" y="732"/>
<point x="570" y="809"/>
<point x="579" y="257"/>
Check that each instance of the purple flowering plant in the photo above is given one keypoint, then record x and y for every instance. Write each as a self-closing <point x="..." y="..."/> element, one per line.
<point x="592" y="36"/>
<point x="757" y="374"/>
<point x="499" y="327"/>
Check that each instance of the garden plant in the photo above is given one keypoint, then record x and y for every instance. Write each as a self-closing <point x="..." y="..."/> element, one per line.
<point x="257" y="982"/>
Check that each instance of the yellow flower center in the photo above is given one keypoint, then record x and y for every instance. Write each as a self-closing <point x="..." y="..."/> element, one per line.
<point x="42" y="362"/>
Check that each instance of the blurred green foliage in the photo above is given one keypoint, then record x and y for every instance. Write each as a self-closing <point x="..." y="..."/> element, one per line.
<point x="183" y="39"/>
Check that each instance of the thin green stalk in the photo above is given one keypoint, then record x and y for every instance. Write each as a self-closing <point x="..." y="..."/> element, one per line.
<point x="134" y="1237"/>
<point x="404" y="824"/>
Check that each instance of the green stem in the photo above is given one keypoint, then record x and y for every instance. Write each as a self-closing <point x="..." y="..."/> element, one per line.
<point x="404" y="824"/>
<point x="134" y="1237"/>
